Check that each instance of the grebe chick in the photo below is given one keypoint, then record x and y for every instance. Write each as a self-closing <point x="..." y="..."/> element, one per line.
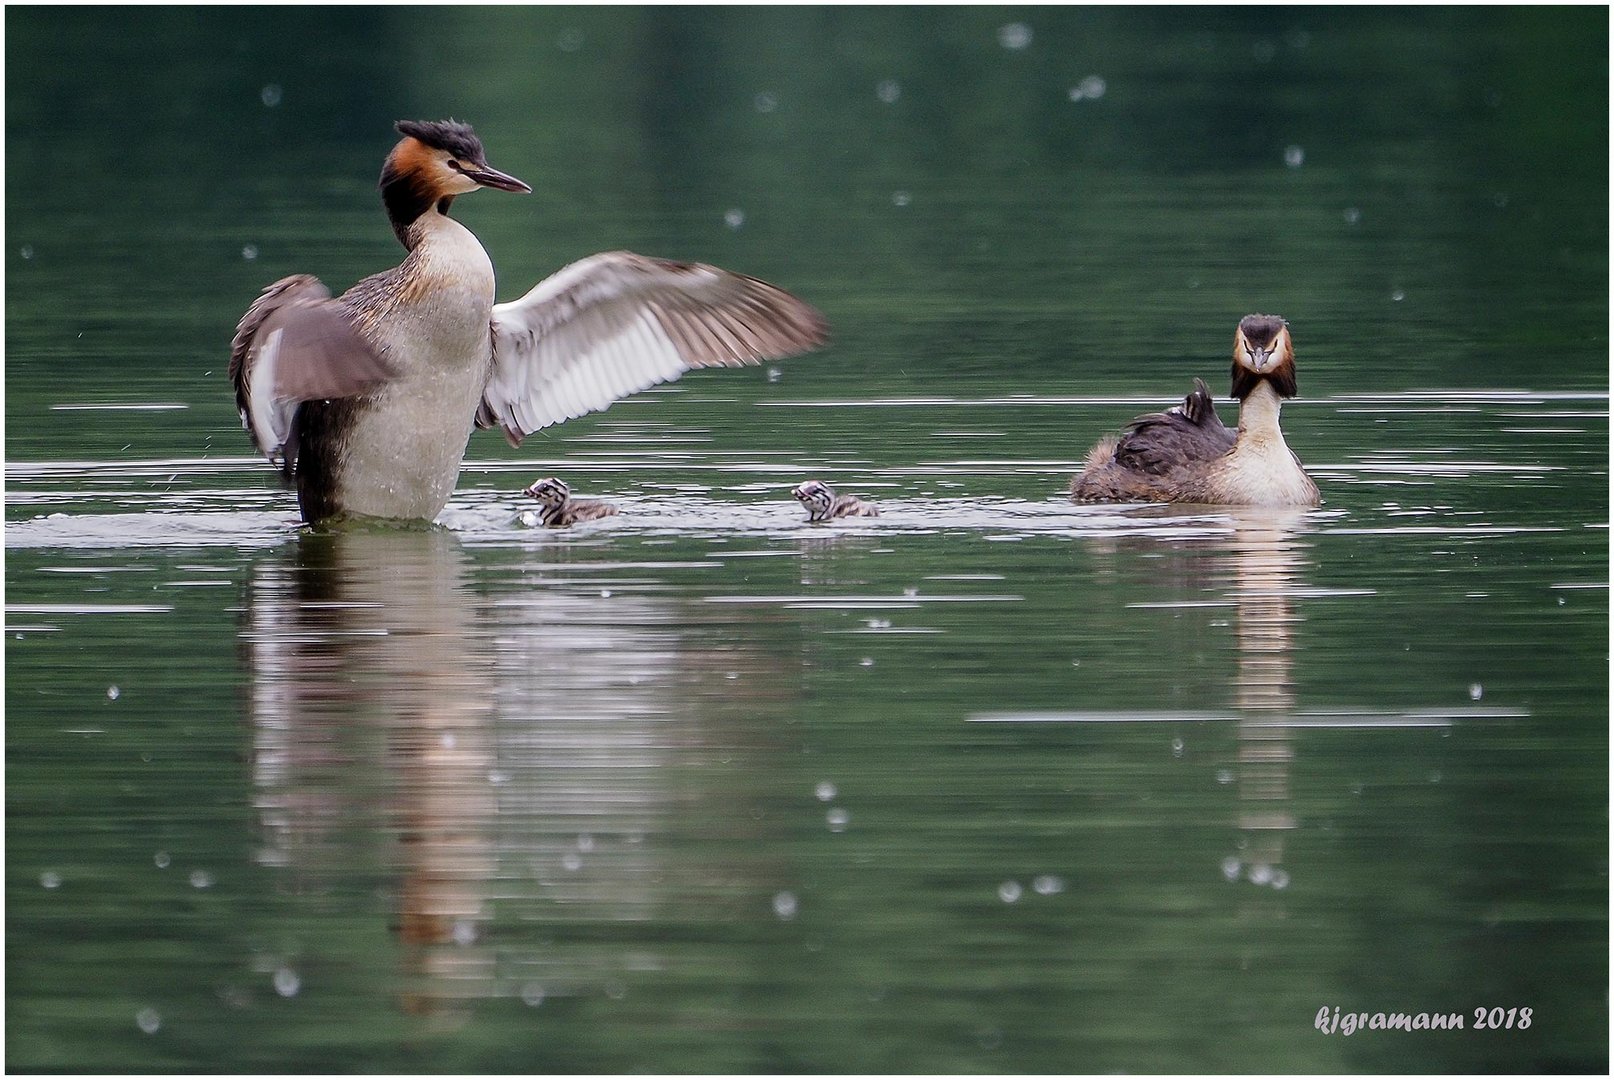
<point x="824" y="505"/>
<point x="1187" y="455"/>
<point x="367" y="401"/>
<point x="560" y="509"/>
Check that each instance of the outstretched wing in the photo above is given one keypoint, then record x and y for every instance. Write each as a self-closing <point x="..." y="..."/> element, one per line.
<point x="612" y="324"/>
<point x="293" y="345"/>
<point x="1185" y="434"/>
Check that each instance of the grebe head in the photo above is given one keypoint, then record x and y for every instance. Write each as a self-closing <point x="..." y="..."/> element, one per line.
<point x="550" y="491"/>
<point x="1263" y="350"/>
<point x="815" y="495"/>
<point x="435" y="161"/>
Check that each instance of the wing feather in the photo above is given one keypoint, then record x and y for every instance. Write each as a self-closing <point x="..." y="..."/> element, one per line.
<point x="614" y="324"/>
<point x="295" y="344"/>
<point x="1186" y="434"/>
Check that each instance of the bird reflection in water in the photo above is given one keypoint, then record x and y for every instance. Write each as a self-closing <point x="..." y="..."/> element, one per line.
<point x="372" y="719"/>
<point x="1267" y="558"/>
<point x="508" y="760"/>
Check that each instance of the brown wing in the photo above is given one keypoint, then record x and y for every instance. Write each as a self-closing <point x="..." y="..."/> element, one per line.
<point x="1188" y="434"/>
<point x="295" y="344"/>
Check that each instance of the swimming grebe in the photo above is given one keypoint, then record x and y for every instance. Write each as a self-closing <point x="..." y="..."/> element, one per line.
<point x="369" y="400"/>
<point x="560" y="509"/>
<point x="1187" y="455"/>
<point x="824" y="505"/>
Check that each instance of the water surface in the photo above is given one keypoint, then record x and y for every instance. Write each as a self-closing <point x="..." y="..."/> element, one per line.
<point x="991" y="782"/>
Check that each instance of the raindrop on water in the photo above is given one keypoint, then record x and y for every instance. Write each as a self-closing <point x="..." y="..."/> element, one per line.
<point x="1176" y="747"/>
<point x="1294" y="156"/>
<point x="112" y="693"/>
<point x="287" y="982"/>
<point x="271" y="95"/>
<point x="1475" y="692"/>
<point x="1224" y="776"/>
<point x="26" y="251"/>
<point x="532" y="995"/>
<point x="201" y="879"/>
<point x="464" y="932"/>
<point x="570" y="39"/>
<point x="888" y="91"/>
<point x="1280" y="879"/>
<point x="825" y="791"/>
<point x="765" y="102"/>
<point x="249" y="252"/>
<point x="50" y="879"/>
<point x="901" y="198"/>
<point x="1015" y="35"/>
<point x="1009" y="892"/>
<point x="1261" y="874"/>
<point x="572" y="861"/>
<point x="774" y="374"/>
<point x="867" y="661"/>
<point x="1398" y="295"/>
<point x="1352" y="215"/>
<point x="784" y="905"/>
<point x="734" y="218"/>
<point x="1089" y="89"/>
<point x="838" y="819"/>
<point x="148" y="1021"/>
<point x="162" y="860"/>
<point x="1230" y="868"/>
<point x="1048" y="884"/>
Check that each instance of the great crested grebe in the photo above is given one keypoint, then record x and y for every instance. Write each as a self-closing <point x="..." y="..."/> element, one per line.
<point x="369" y="400"/>
<point x="1187" y="455"/>
<point x="560" y="509"/>
<point x="824" y="505"/>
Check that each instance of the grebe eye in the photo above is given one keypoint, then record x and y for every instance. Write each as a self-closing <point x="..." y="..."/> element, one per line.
<point x="455" y="165"/>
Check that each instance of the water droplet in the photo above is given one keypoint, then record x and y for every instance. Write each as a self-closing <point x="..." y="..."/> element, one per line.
<point x="201" y="879"/>
<point x="784" y="905"/>
<point x="1224" y="776"/>
<point x="1009" y="892"/>
<point x="532" y="995"/>
<point x="1398" y="295"/>
<point x="249" y="252"/>
<point x="570" y="39"/>
<point x="888" y="91"/>
<point x="50" y="879"/>
<point x="148" y="1021"/>
<point x="1015" y="35"/>
<point x="825" y="791"/>
<point x="1280" y="879"/>
<point x="1261" y="873"/>
<point x="112" y="693"/>
<point x="1230" y="868"/>
<point x="901" y="198"/>
<point x="1048" y="884"/>
<point x="162" y="860"/>
<point x="271" y="95"/>
<point x="26" y="251"/>
<point x="867" y="661"/>
<point x="1176" y="747"/>
<point x="287" y="982"/>
<point x="838" y="819"/>
<point x="1352" y="215"/>
<point x="1294" y="156"/>
<point x="765" y="102"/>
<point x="774" y="374"/>
<point x="1475" y="691"/>
<point x="734" y="218"/>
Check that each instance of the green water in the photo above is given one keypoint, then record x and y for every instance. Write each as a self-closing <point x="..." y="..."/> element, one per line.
<point x="992" y="783"/>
